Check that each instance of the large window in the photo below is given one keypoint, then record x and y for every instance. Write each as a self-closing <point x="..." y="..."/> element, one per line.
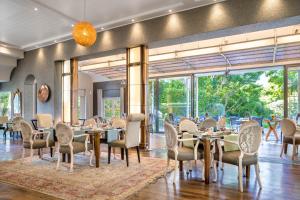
<point x="257" y="93"/>
<point x="112" y="107"/>
<point x="293" y="92"/>
<point x="5" y="104"/>
<point x="174" y="97"/>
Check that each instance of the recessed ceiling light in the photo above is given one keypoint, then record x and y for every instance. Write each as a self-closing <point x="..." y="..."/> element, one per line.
<point x="102" y="28"/>
<point x="133" y="20"/>
<point x="72" y="25"/>
<point x="55" y="41"/>
<point x="36" y="9"/>
<point x="170" y="11"/>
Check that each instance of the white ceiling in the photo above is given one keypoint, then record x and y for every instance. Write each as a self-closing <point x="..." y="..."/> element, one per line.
<point x="26" y="28"/>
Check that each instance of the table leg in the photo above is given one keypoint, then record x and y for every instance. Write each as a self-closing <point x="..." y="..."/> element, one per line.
<point x="285" y="148"/>
<point x="206" y="160"/>
<point x="63" y="157"/>
<point x="248" y="171"/>
<point x="122" y="154"/>
<point x="180" y="166"/>
<point x="97" y="148"/>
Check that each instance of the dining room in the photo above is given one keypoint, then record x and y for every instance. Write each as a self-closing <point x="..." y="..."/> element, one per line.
<point x="99" y="105"/>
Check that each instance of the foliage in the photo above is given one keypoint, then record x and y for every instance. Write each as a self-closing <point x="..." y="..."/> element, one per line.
<point x="4" y="103"/>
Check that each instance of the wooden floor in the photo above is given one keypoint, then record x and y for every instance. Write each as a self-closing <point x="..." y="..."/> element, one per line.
<point x="280" y="180"/>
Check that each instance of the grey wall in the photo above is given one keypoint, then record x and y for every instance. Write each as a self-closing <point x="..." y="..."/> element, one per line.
<point x="226" y="18"/>
<point x="85" y="83"/>
<point x="109" y="89"/>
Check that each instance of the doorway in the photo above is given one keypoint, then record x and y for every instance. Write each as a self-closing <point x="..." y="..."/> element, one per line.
<point x="30" y="101"/>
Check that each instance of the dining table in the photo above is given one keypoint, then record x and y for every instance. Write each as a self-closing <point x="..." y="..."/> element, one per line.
<point x="208" y="138"/>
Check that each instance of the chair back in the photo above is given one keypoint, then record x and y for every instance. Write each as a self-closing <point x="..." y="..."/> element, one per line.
<point x="132" y="136"/>
<point x="222" y="122"/>
<point x="249" y="123"/>
<point x="26" y="131"/>
<point x="189" y="126"/>
<point x="209" y="123"/>
<point x="288" y="127"/>
<point x="16" y="123"/>
<point x="171" y="136"/>
<point x="64" y="134"/>
<point x="90" y="122"/>
<point x="258" y="119"/>
<point x="119" y="123"/>
<point x="44" y="120"/>
<point x="250" y="139"/>
<point x="3" y="120"/>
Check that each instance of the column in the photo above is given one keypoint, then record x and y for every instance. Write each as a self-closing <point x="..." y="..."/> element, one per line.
<point x="74" y="91"/>
<point x="137" y="81"/>
<point x="285" y="92"/>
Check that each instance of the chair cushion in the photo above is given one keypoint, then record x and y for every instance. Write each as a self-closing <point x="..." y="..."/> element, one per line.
<point x="184" y="153"/>
<point x="118" y="143"/>
<point x="77" y="148"/>
<point x="289" y="140"/>
<point x="39" y="144"/>
<point x="232" y="157"/>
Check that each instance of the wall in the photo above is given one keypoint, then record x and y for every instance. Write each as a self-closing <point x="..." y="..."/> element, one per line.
<point x="109" y="89"/>
<point x="226" y="18"/>
<point x="85" y="82"/>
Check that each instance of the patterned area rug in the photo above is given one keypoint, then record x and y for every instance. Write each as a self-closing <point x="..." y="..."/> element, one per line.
<point x="114" y="181"/>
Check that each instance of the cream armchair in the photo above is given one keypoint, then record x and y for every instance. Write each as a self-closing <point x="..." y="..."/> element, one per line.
<point x="132" y="136"/>
<point x="66" y="145"/>
<point x="44" y="121"/>
<point x="249" y="140"/>
<point x="291" y="135"/>
<point x="30" y="140"/>
<point x="177" y="153"/>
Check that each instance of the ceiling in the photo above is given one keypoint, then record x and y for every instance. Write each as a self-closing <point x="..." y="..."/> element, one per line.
<point x="261" y="49"/>
<point x="30" y="24"/>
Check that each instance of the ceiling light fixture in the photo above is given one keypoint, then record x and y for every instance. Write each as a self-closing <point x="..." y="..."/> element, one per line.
<point x="102" y="28"/>
<point x="170" y="11"/>
<point x="84" y="32"/>
<point x="133" y="20"/>
<point x="36" y="9"/>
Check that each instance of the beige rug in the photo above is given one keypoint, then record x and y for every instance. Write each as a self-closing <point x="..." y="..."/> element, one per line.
<point x="114" y="181"/>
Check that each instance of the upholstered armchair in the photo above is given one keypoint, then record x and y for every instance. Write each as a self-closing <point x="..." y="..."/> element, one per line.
<point x="291" y="135"/>
<point x="208" y="123"/>
<point x="132" y="136"/>
<point x="66" y="145"/>
<point x="44" y="121"/>
<point x="247" y="144"/>
<point x="30" y="140"/>
<point x="118" y="123"/>
<point x="178" y="153"/>
<point x="90" y="122"/>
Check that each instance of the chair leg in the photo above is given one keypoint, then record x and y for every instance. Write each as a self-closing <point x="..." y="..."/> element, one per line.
<point x="114" y="152"/>
<point x="215" y="171"/>
<point x="282" y="149"/>
<point x="58" y="158"/>
<point x="127" y="161"/>
<point x="23" y="154"/>
<point x="241" y="176"/>
<point x="91" y="157"/>
<point x="109" y="152"/>
<point x="72" y="160"/>
<point x="203" y="170"/>
<point x="31" y="154"/>
<point x="122" y="154"/>
<point x="51" y="152"/>
<point x="176" y="168"/>
<point x="168" y="164"/>
<point x="138" y="153"/>
<point x="294" y="152"/>
<point x="257" y="172"/>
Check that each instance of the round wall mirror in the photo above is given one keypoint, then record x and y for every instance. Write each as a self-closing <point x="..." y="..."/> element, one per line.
<point x="44" y="93"/>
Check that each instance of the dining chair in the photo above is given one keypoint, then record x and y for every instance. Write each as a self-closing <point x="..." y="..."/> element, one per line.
<point x="3" y="124"/>
<point x="30" y="140"/>
<point x="132" y="136"/>
<point x="90" y="122"/>
<point x="221" y="123"/>
<point x="291" y="135"/>
<point x="249" y="123"/>
<point x="66" y="145"/>
<point x="44" y="121"/>
<point x="180" y="153"/>
<point x="15" y="127"/>
<point x="248" y="142"/>
<point x="208" y="123"/>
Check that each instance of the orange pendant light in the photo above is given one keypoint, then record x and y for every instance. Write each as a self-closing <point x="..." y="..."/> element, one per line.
<point x="84" y="32"/>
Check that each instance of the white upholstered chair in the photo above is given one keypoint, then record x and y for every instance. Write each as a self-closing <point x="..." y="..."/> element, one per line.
<point x="90" y="122"/>
<point x="44" y="121"/>
<point x="132" y="136"/>
<point x="177" y="153"/>
<point x="118" y="123"/>
<point x="66" y="145"/>
<point x="208" y="123"/>
<point x="249" y="140"/>
<point x="290" y="135"/>
<point x="30" y="141"/>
